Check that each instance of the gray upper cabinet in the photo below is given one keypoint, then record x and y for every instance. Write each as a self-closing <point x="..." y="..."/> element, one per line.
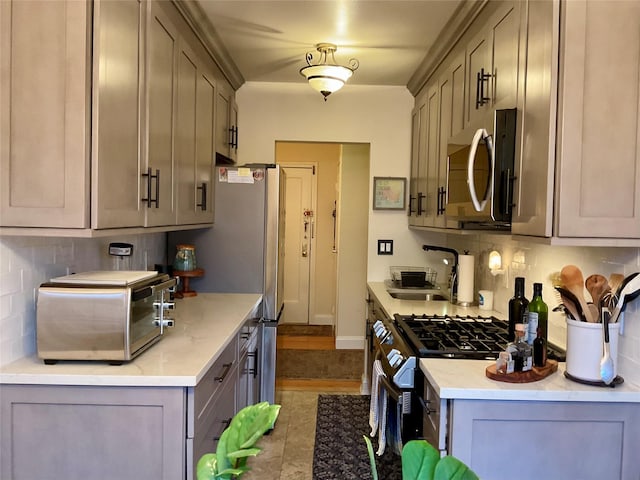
<point x="44" y="113"/>
<point x="578" y="119"/>
<point x="416" y="185"/>
<point x="580" y="178"/>
<point x="122" y="132"/>
<point x="158" y="170"/>
<point x="227" y="123"/>
<point x="195" y="154"/>
<point x="492" y="63"/>
<point x="450" y="121"/>
<point x="598" y="190"/>
<point x="117" y="113"/>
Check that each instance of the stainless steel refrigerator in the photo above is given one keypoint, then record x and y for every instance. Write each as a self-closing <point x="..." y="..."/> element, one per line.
<point x="243" y="251"/>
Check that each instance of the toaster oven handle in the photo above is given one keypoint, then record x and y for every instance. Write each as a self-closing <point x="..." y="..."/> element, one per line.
<point x="145" y="292"/>
<point x="481" y="134"/>
<point x="151" y="289"/>
<point x="164" y="285"/>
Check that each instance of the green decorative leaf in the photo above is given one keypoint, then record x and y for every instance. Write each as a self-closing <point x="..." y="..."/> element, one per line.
<point x="207" y="467"/>
<point x="450" y="468"/>
<point x="247" y="452"/>
<point x="419" y="459"/>
<point x="372" y="458"/>
<point x="237" y="442"/>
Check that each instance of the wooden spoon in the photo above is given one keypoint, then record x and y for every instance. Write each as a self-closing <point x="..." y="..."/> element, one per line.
<point x="573" y="281"/>
<point x="615" y="279"/>
<point x="598" y="287"/>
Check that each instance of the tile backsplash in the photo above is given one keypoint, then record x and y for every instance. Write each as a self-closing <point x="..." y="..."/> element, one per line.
<point x="537" y="262"/>
<point x="26" y="262"/>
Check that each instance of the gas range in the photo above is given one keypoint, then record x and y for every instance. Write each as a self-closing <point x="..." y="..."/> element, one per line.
<point x="477" y="337"/>
<point x="406" y="338"/>
<point x="457" y="336"/>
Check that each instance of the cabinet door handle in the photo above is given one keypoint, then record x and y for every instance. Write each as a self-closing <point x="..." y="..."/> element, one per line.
<point x="227" y="367"/>
<point x="441" y="200"/>
<point x="481" y="78"/>
<point x="411" y="199"/>
<point x="157" y="200"/>
<point x="226" y="424"/>
<point x="253" y="371"/>
<point x="203" y="197"/>
<point x="420" y="209"/>
<point x="508" y="192"/>
<point x="150" y="178"/>
<point x="148" y="197"/>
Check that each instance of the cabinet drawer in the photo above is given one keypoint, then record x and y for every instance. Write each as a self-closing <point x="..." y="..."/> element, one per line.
<point x="222" y="372"/>
<point x="215" y="418"/>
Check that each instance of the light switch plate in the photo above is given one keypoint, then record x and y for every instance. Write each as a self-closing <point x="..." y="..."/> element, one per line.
<point x="385" y="247"/>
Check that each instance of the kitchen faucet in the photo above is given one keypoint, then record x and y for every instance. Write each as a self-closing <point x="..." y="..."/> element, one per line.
<point x="453" y="278"/>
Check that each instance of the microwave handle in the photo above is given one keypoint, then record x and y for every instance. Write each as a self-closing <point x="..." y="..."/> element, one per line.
<point x="481" y="134"/>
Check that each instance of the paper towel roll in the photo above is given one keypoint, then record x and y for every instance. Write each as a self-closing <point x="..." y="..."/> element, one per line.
<point x="465" y="279"/>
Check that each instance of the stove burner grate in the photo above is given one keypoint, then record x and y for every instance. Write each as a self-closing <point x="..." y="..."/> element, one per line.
<point x="473" y="337"/>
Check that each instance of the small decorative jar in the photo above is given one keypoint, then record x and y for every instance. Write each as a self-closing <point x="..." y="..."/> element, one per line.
<point x="185" y="260"/>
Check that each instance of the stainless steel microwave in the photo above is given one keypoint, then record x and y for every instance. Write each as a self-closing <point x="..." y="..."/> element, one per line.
<point x="480" y="173"/>
<point x="103" y="315"/>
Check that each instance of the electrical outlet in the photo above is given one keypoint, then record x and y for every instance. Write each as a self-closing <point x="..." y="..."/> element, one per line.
<point x="385" y="247"/>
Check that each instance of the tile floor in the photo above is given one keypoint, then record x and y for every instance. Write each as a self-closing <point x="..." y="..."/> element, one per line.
<point x="288" y="450"/>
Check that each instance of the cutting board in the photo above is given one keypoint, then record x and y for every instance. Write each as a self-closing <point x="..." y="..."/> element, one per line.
<point x="533" y="375"/>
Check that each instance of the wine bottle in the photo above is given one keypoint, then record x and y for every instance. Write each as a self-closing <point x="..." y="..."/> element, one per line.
<point x="538" y="315"/>
<point x="539" y="350"/>
<point x="517" y="306"/>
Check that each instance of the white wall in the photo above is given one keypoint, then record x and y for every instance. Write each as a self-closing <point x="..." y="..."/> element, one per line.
<point x="26" y="262"/>
<point x="352" y="243"/>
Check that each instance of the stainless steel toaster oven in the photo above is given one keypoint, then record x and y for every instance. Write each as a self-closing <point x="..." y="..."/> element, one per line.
<point x="110" y="316"/>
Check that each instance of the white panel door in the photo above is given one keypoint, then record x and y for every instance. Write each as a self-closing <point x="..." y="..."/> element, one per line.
<point x="298" y="243"/>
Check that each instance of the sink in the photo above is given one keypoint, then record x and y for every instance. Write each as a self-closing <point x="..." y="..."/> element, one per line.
<point x="420" y="296"/>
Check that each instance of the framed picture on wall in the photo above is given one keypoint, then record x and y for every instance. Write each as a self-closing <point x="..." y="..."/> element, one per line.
<point x="389" y="193"/>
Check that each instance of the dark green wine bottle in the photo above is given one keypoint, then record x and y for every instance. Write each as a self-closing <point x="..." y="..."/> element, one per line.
<point x="538" y="315"/>
<point x="517" y="306"/>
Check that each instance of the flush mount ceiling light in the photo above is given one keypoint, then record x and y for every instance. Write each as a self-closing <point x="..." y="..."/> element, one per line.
<point x="325" y="77"/>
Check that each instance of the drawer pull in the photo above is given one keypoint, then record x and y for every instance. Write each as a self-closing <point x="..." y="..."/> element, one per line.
<point x="426" y="406"/>
<point x="226" y="424"/>
<point x="227" y="367"/>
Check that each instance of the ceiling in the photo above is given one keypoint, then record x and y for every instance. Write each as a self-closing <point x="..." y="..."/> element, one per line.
<point x="268" y="39"/>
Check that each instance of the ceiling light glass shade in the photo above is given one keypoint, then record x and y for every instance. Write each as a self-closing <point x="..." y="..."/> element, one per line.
<point x="325" y="77"/>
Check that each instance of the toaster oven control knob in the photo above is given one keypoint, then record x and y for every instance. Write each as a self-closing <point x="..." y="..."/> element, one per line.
<point x="165" y="305"/>
<point x="165" y="322"/>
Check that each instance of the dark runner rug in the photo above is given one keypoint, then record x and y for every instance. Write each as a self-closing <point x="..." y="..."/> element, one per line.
<point x="340" y="452"/>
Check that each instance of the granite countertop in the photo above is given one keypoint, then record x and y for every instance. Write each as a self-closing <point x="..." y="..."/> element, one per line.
<point x="204" y="326"/>
<point x="466" y="379"/>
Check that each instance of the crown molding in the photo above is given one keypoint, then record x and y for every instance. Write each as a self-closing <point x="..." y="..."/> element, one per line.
<point x="197" y="19"/>
<point x="453" y="30"/>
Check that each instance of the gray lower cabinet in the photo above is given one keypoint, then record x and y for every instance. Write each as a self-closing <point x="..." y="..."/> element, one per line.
<point x="107" y="432"/>
<point x="80" y="432"/>
<point x="550" y="439"/>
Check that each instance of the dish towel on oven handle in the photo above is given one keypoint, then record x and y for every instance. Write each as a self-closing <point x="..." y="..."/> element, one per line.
<point x="378" y="407"/>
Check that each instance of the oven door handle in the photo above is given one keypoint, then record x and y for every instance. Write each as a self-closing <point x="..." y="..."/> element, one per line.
<point x="391" y="389"/>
